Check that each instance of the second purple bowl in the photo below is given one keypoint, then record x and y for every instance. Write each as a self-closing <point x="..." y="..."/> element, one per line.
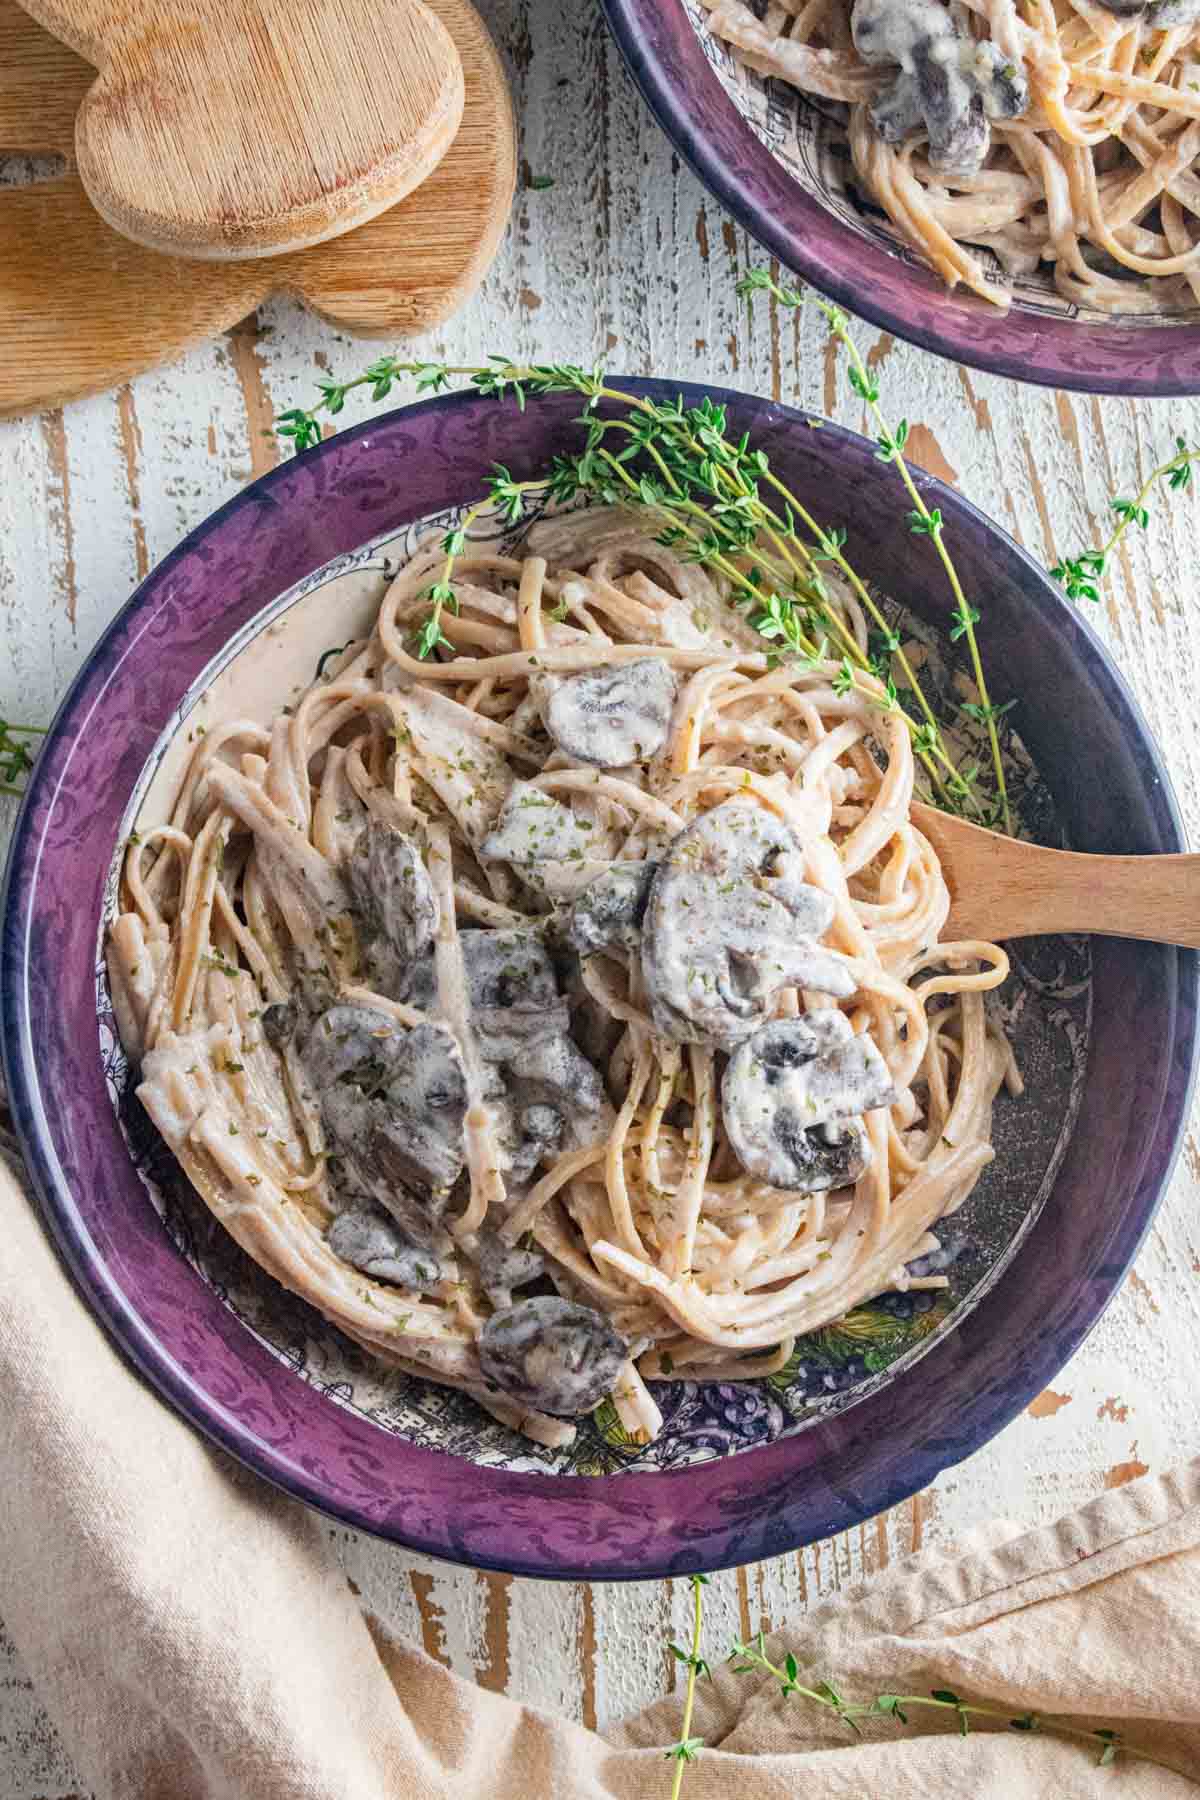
<point x="1092" y="745"/>
<point x="1029" y="342"/>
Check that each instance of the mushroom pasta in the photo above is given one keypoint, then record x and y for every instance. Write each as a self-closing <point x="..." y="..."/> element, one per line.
<point x="566" y="1011"/>
<point x="1058" y="132"/>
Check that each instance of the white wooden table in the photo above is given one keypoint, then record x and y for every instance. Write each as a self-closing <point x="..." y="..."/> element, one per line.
<point x="625" y="258"/>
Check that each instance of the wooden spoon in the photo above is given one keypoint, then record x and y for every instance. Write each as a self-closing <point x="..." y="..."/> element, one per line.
<point x="1002" y="888"/>
<point x="245" y="128"/>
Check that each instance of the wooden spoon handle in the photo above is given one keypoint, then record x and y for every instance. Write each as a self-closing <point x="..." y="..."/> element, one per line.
<point x="1002" y="887"/>
<point x="1152" y="897"/>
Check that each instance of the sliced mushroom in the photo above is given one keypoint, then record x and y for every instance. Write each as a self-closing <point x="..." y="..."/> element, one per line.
<point x="533" y="827"/>
<point x="953" y="111"/>
<point x="556" y="849"/>
<point x="792" y="1099"/>
<point x="503" y="1267"/>
<point x="609" y="912"/>
<point x="526" y="1133"/>
<point x="731" y="921"/>
<point x="614" y="716"/>
<point x="369" y="1176"/>
<point x="1003" y="86"/>
<point x="392" y="1100"/>
<point x="512" y="994"/>
<point x="395" y="900"/>
<point x="948" y="83"/>
<point x="897" y="113"/>
<point x="351" y="1040"/>
<point x="540" y="1128"/>
<point x="551" y="1355"/>
<point x="372" y="1241"/>
<point x="556" y="1073"/>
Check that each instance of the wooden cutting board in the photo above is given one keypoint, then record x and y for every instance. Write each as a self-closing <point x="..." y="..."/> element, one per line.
<point x="83" y="308"/>
<point x="233" y="128"/>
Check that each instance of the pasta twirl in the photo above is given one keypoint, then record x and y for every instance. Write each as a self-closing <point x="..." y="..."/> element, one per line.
<point x="569" y="1011"/>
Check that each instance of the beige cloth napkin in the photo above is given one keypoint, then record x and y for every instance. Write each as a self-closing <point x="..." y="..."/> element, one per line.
<point x="193" y="1635"/>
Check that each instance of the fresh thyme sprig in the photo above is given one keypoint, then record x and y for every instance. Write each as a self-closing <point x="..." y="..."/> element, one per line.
<point x="1080" y="574"/>
<point x="752" y="1659"/>
<point x="500" y="377"/>
<point x="688" y="1748"/>
<point x="16" y="758"/>
<point x="717" y="502"/>
<point x="923" y="520"/>
<point x="749" y="1659"/>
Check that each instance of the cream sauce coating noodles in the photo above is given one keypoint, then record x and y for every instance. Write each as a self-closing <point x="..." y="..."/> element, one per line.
<point x="1052" y="132"/>
<point x="543" y="1076"/>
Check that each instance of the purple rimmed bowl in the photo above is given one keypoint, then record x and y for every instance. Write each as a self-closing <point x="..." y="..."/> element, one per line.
<point x="1034" y="341"/>
<point x="1111" y="790"/>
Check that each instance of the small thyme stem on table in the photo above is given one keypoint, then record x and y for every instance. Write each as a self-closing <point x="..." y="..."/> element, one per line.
<point x="752" y="1659"/>
<point x="16" y="758"/>
<point x="688" y="1747"/>
<point x="1079" y="574"/>
<point x="923" y="520"/>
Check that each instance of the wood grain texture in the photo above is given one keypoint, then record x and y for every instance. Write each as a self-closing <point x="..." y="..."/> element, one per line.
<point x="627" y="259"/>
<point x="73" y="312"/>
<point x="1001" y="888"/>
<point x="243" y="128"/>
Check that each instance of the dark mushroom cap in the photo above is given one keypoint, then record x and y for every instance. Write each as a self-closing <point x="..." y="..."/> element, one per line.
<point x="280" y="1021"/>
<point x="552" y="1355"/>
<point x="792" y="1097"/>
<point x="370" y="1240"/>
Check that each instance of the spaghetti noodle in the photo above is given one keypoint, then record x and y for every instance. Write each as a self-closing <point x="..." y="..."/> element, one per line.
<point x="567" y="1012"/>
